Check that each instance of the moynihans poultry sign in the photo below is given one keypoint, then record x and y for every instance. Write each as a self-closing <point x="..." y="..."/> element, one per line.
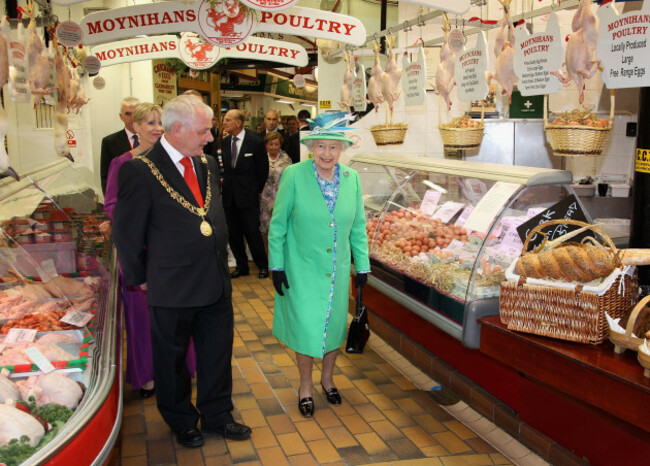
<point x="221" y="24"/>
<point x="169" y="46"/>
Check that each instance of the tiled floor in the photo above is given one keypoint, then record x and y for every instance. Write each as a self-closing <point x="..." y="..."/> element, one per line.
<point x="384" y="418"/>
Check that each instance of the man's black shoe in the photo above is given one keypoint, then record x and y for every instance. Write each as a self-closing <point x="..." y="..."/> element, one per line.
<point x="232" y="431"/>
<point x="238" y="273"/>
<point x="264" y="273"/>
<point x="147" y="393"/>
<point x="190" y="438"/>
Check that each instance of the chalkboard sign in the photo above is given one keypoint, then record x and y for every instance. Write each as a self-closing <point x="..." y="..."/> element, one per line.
<point x="567" y="208"/>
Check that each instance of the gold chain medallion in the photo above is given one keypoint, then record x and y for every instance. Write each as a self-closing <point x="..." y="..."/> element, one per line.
<point x="206" y="229"/>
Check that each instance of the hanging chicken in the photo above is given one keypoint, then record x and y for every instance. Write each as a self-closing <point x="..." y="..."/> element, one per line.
<point x="375" y="86"/>
<point x="391" y="78"/>
<point x="61" y="118"/>
<point x="580" y="61"/>
<point x="39" y="67"/>
<point x="445" y="80"/>
<point x="346" y="87"/>
<point x="4" y="77"/>
<point x="504" y="72"/>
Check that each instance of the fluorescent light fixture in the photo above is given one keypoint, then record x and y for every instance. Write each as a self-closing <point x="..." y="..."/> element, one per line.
<point x="284" y="101"/>
<point x="435" y="186"/>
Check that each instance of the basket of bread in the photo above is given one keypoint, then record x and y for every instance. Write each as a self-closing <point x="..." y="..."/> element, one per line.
<point x="629" y="331"/>
<point x="564" y="287"/>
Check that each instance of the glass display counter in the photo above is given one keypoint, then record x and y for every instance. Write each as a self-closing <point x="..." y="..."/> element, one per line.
<point x="442" y="232"/>
<point x="59" y="281"/>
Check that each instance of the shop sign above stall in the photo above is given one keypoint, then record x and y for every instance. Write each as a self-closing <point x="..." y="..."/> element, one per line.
<point x="269" y="5"/>
<point x="196" y="55"/>
<point x="415" y="79"/>
<point x="471" y="65"/>
<point x="623" y="46"/>
<point x="219" y="24"/>
<point x="454" y="6"/>
<point x="536" y="56"/>
<point x="359" y="102"/>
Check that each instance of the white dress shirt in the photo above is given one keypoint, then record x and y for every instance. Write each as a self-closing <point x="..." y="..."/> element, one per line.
<point x="239" y="142"/>
<point x="175" y="156"/>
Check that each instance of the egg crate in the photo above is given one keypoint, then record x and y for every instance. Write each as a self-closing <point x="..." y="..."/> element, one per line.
<point x="80" y="363"/>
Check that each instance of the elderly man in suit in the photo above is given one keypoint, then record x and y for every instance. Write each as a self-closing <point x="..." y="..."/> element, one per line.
<point x="122" y="141"/>
<point x="246" y="168"/>
<point x="170" y="232"/>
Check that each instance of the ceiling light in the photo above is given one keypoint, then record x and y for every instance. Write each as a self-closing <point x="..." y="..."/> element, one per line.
<point x="284" y="101"/>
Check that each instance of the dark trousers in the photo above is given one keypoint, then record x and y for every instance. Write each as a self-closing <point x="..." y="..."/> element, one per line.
<point x="212" y="329"/>
<point x="246" y="223"/>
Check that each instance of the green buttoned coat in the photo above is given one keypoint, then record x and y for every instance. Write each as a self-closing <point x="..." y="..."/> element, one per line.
<point x="301" y="242"/>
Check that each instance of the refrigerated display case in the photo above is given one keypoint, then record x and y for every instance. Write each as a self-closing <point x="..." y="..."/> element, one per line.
<point x="442" y="232"/>
<point x="48" y="228"/>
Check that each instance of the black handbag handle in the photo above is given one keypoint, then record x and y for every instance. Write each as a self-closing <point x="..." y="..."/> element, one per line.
<point x="359" y="301"/>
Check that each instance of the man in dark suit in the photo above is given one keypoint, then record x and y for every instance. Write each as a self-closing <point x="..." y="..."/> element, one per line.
<point x="245" y="173"/>
<point x="170" y="233"/>
<point x="303" y="116"/>
<point x="119" y="142"/>
<point x="292" y="139"/>
<point x="271" y="121"/>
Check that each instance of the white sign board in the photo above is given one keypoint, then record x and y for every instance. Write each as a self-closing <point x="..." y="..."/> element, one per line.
<point x="536" y="55"/>
<point x="415" y="79"/>
<point x="168" y="46"/>
<point x="471" y="65"/>
<point x="623" y="46"/>
<point x="454" y="6"/>
<point x="217" y="23"/>
<point x="359" y="102"/>
<point x="269" y="5"/>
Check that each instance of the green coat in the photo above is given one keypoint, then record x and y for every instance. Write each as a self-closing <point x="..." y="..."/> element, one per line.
<point x="301" y="242"/>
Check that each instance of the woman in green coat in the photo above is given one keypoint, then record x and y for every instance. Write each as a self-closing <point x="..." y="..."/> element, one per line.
<point x="318" y="222"/>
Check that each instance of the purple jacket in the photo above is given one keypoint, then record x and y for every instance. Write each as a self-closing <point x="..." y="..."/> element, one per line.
<point x="110" y="197"/>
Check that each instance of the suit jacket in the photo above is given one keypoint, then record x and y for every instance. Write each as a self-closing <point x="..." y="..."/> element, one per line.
<point x="292" y="146"/>
<point x="243" y="183"/>
<point x="263" y="133"/>
<point x="159" y="241"/>
<point x="113" y="146"/>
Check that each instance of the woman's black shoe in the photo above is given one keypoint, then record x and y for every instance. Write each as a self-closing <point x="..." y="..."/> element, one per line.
<point x="332" y="396"/>
<point x="144" y="393"/>
<point x="306" y="406"/>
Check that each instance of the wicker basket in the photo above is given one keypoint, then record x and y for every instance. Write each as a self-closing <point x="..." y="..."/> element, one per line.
<point x="462" y="138"/>
<point x="567" y="314"/>
<point x="644" y="359"/>
<point x="389" y="134"/>
<point x="627" y="340"/>
<point x="568" y="141"/>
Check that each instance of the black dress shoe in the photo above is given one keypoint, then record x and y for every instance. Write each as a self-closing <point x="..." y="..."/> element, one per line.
<point x="332" y="396"/>
<point x="238" y="273"/>
<point x="232" y="431"/>
<point x="190" y="438"/>
<point x="264" y="273"/>
<point x="144" y="393"/>
<point x="306" y="406"/>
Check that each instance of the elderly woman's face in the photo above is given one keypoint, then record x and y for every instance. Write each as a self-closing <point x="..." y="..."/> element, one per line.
<point x="326" y="153"/>
<point x="273" y="147"/>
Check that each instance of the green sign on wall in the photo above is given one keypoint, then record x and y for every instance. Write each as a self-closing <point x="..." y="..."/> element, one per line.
<point x="531" y="106"/>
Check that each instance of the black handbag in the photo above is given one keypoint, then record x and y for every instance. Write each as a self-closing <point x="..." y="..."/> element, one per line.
<point x="359" y="331"/>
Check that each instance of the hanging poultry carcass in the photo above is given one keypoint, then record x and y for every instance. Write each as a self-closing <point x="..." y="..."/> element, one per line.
<point x="61" y="118"/>
<point x="375" y="86"/>
<point x="445" y="80"/>
<point x="4" y="77"/>
<point x="504" y="72"/>
<point x="39" y="67"/>
<point x="346" y="87"/>
<point x="391" y="78"/>
<point x="580" y="61"/>
<point x="77" y="94"/>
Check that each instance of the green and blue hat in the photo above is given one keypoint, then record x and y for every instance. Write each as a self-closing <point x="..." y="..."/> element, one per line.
<point x="329" y="126"/>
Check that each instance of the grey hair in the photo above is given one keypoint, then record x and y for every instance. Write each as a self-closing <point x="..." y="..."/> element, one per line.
<point x="129" y="102"/>
<point x="181" y="109"/>
<point x="310" y="143"/>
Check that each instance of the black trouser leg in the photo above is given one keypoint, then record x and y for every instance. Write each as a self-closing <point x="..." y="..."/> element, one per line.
<point x="236" y="238"/>
<point x="250" y="224"/>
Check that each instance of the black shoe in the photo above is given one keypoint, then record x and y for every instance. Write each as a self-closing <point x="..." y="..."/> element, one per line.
<point x="264" y="273"/>
<point x="306" y="406"/>
<point x="332" y="396"/>
<point x="238" y="273"/>
<point x="232" y="431"/>
<point x="190" y="438"/>
<point x="144" y="393"/>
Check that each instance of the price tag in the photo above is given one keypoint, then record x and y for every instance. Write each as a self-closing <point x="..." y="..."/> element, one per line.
<point x="41" y="361"/>
<point x="455" y="245"/>
<point x="76" y="318"/>
<point x="430" y="201"/>
<point x="462" y="218"/>
<point x="448" y="210"/>
<point x="20" y="334"/>
<point x="48" y="270"/>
